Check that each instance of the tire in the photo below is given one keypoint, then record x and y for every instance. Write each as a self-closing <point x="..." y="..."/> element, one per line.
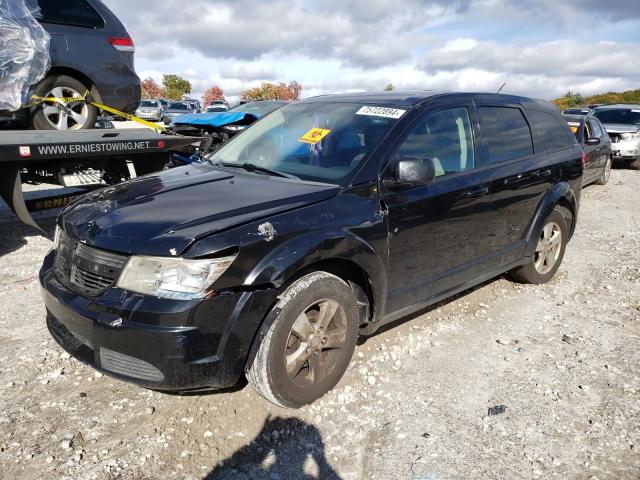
<point x="47" y="116"/>
<point x="283" y="371"/>
<point x="635" y="164"/>
<point x="539" y="270"/>
<point x="603" y="179"/>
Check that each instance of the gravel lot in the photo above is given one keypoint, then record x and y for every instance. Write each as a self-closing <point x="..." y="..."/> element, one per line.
<point x="560" y="362"/>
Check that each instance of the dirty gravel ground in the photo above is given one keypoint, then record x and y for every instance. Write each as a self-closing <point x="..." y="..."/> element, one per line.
<point x="562" y="358"/>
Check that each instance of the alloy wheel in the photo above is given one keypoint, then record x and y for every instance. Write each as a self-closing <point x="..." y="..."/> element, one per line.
<point x="63" y="115"/>
<point x="548" y="248"/>
<point x="315" y="343"/>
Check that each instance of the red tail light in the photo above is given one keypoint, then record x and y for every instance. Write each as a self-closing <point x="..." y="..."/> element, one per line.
<point x="584" y="160"/>
<point x="124" y="44"/>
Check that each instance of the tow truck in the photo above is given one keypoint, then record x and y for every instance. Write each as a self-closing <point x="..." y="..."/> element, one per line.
<point x="83" y="159"/>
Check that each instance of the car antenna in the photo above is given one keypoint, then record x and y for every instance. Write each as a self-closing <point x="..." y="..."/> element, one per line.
<point x="501" y="87"/>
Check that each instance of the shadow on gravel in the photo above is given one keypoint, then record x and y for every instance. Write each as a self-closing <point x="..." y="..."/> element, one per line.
<point x="14" y="234"/>
<point x="285" y="449"/>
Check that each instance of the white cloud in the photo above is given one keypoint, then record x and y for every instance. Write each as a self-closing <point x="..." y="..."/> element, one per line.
<point x="540" y="48"/>
<point x="249" y="71"/>
<point x="558" y="57"/>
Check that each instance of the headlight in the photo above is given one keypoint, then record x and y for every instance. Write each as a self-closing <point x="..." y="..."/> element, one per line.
<point x="56" y="238"/>
<point x="177" y="278"/>
<point x="235" y="128"/>
<point x="630" y="136"/>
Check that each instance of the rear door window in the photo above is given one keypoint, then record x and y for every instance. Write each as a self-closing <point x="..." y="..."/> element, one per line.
<point x="548" y="133"/>
<point x="506" y="133"/>
<point x="70" y="12"/>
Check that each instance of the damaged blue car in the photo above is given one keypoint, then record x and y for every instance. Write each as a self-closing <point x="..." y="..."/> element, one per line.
<point x="218" y="127"/>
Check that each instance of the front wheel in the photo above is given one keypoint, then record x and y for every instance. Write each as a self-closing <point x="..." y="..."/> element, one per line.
<point x="603" y="179"/>
<point x="308" y="343"/>
<point x="549" y="252"/>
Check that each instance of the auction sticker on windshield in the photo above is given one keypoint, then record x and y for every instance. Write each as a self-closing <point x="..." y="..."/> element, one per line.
<point x="314" y="135"/>
<point x="381" y="112"/>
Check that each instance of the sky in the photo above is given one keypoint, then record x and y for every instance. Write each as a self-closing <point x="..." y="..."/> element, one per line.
<point x="539" y="48"/>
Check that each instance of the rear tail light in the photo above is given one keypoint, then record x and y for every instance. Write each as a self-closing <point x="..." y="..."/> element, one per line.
<point x="123" y="44"/>
<point x="584" y="160"/>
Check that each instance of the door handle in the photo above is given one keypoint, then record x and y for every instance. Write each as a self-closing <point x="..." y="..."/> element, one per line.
<point x="476" y="192"/>
<point x="515" y="179"/>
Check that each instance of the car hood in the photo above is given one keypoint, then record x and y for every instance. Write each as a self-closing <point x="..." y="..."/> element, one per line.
<point x="620" y="128"/>
<point x="214" y="119"/>
<point x="162" y="214"/>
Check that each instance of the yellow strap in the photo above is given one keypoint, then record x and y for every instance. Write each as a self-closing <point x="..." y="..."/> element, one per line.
<point x="66" y="100"/>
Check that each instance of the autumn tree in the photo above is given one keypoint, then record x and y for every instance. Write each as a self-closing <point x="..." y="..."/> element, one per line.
<point x="213" y="93"/>
<point x="388" y="87"/>
<point x="150" y="89"/>
<point x="273" y="91"/>
<point x="176" y="86"/>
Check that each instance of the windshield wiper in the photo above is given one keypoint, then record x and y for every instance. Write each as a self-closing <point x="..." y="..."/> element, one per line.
<point x="252" y="167"/>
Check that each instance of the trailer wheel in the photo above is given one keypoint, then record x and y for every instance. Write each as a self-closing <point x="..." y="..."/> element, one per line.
<point x="62" y="115"/>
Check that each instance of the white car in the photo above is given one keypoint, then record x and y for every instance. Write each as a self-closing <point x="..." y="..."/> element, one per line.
<point x="622" y="122"/>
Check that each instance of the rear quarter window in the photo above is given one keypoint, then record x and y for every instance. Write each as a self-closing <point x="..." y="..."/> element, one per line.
<point x="70" y="12"/>
<point x="548" y="133"/>
<point x="506" y="133"/>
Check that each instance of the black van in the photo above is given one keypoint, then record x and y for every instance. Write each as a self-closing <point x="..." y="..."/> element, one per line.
<point x="323" y="221"/>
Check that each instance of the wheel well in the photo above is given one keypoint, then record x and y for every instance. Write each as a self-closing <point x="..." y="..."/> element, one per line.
<point x="569" y="214"/>
<point x="355" y="276"/>
<point x="78" y="76"/>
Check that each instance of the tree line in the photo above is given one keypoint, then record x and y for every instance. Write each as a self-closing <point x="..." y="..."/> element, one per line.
<point x="175" y="87"/>
<point x="575" y="99"/>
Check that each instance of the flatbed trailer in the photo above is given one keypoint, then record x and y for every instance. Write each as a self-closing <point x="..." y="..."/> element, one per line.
<point x="84" y="159"/>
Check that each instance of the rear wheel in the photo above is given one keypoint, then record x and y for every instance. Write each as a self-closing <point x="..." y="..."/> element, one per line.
<point x="62" y="115"/>
<point x="635" y="164"/>
<point x="606" y="173"/>
<point x="549" y="251"/>
<point x="310" y="338"/>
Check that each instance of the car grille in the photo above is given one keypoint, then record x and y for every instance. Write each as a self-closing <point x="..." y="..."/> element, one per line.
<point x="86" y="270"/>
<point x="615" y="137"/>
<point x="130" y="366"/>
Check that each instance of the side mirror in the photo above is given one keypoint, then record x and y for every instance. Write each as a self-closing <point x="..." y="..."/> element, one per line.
<point x="593" y="141"/>
<point x="414" y="171"/>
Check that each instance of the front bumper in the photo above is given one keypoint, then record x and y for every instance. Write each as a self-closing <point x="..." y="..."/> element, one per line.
<point x="158" y="343"/>
<point x="626" y="149"/>
<point x="156" y="117"/>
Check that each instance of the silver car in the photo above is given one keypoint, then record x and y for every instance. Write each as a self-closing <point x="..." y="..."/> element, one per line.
<point x="622" y="122"/>
<point x="150" y="110"/>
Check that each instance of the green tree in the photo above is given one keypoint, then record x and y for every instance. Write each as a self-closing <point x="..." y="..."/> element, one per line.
<point x="388" y="87"/>
<point x="175" y="86"/>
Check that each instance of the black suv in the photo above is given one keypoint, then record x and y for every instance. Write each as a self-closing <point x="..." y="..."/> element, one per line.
<point x="90" y="51"/>
<point x="325" y="220"/>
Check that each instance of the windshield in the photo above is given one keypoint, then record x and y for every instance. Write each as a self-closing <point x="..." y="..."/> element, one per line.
<point x="259" y="109"/>
<point x="178" y="106"/>
<point x="148" y="103"/>
<point x="575" y="111"/>
<point x="321" y="142"/>
<point x="624" y="116"/>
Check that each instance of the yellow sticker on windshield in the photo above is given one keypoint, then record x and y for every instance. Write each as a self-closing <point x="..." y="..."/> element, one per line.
<point x="574" y="129"/>
<point x="314" y="135"/>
